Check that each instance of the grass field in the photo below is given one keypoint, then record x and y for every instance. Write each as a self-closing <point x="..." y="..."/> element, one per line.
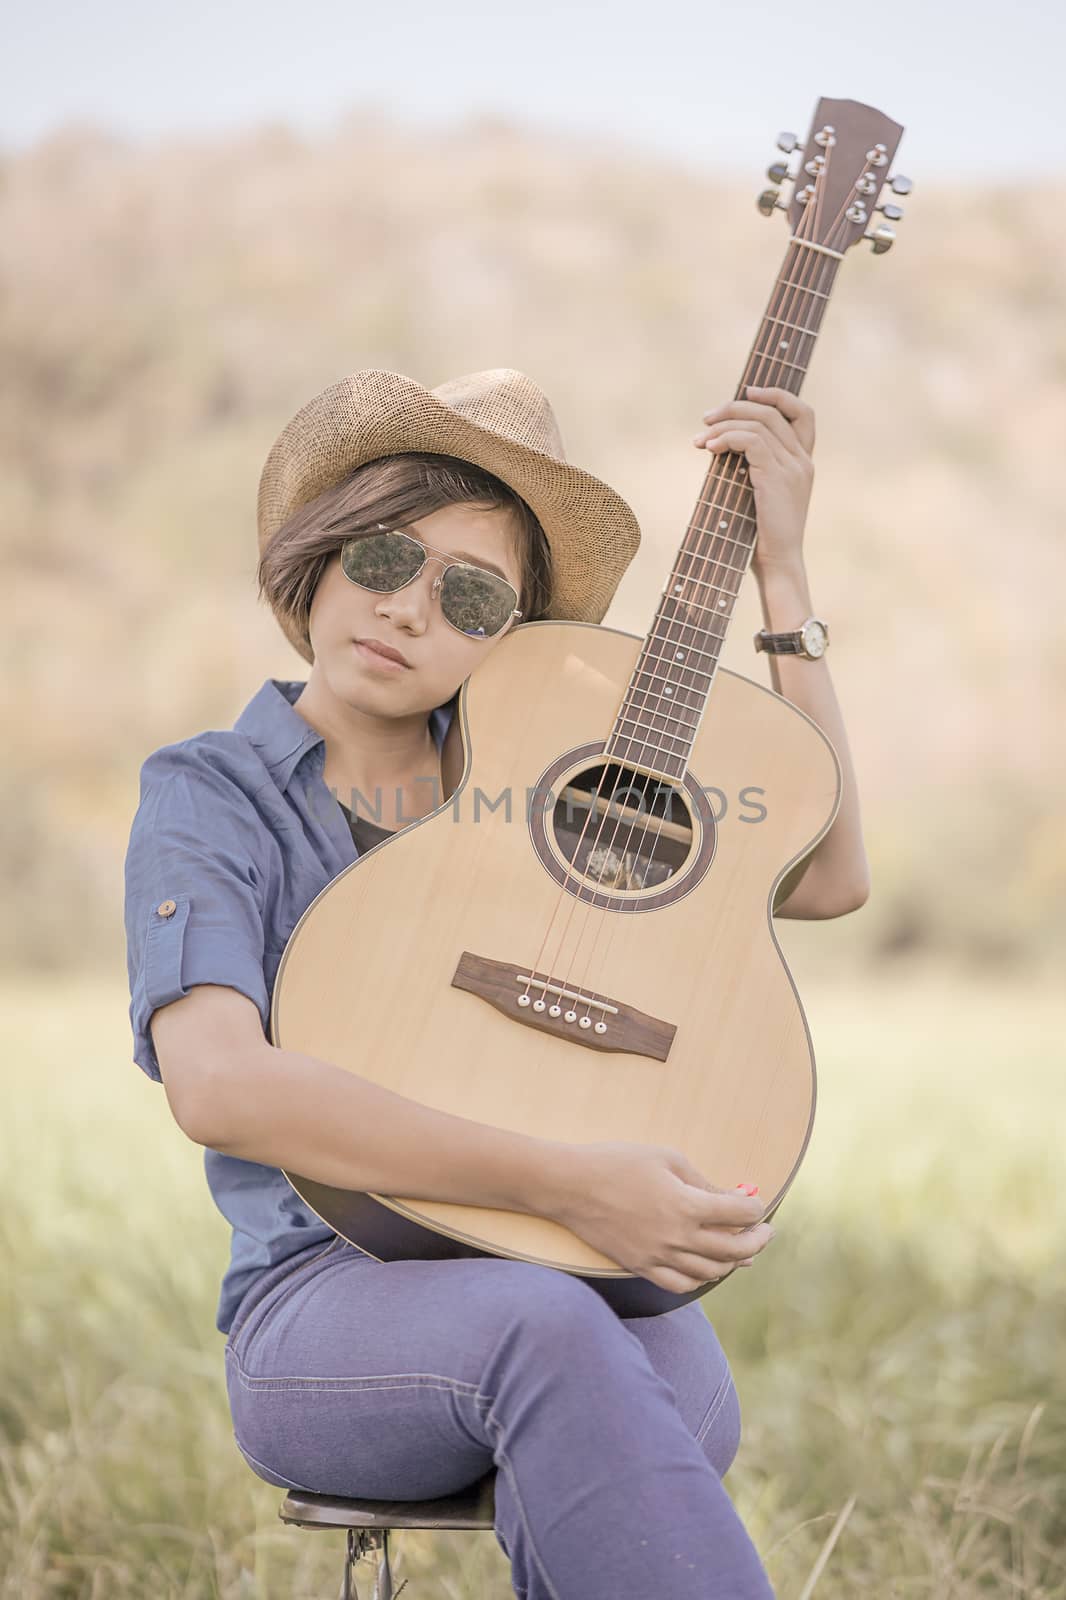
<point x="900" y="1349"/>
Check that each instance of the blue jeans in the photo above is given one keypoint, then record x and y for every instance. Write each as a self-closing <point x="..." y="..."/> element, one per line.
<point x="409" y="1379"/>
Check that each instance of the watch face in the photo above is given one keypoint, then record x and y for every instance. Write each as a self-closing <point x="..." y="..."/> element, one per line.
<point x="814" y="639"/>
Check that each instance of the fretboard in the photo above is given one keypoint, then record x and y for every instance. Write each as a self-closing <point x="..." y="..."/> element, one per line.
<point x="664" y="703"/>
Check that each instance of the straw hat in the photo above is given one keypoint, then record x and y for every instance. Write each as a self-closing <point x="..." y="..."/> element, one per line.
<point x="501" y="421"/>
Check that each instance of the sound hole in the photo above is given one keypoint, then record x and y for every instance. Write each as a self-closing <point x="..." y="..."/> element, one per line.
<point x="622" y="829"/>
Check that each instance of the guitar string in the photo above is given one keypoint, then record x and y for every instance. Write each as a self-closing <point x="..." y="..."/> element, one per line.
<point x="734" y="476"/>
<point x="721" y="483"/>
<point x="739" y="479"/>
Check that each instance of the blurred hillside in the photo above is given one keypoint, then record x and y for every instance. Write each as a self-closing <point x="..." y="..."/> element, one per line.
<point x="165" y="309"/>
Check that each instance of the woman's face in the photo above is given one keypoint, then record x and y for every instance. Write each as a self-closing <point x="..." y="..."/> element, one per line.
<point x="410" y="621"/>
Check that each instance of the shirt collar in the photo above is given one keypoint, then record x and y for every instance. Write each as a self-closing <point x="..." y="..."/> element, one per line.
<point x="282" y="737"/>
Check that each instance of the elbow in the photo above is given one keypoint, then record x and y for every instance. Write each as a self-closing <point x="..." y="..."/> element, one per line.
<point x="856" y="896"/>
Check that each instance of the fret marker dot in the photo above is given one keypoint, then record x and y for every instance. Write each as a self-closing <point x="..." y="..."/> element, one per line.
<point x="782" y="344"/>
<point x="721" y="602"/>
<point x="679" y="655"/>
<point x="722" y="525"/>
<point x="678" y="587"/>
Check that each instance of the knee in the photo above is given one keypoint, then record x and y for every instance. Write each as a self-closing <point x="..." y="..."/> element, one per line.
<point x="554" y="1316"/>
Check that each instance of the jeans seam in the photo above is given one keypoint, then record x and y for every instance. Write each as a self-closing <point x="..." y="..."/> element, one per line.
<point x="719" y="1399"/>
<point x="289" y="1482"/>
<point x="287" y="1283"/>
<point x="503" y="1460"/>
<point x="371" y="1382"/>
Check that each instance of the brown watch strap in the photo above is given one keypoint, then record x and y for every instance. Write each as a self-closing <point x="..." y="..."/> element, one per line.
<point x="780" y="644"/>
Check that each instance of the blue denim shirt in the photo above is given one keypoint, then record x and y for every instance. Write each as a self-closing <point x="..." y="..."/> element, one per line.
<point x="237" y="829"/>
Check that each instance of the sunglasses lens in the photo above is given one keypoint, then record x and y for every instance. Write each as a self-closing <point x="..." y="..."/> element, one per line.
<point x="476" y="602"/>
<point x="381" y="561"/>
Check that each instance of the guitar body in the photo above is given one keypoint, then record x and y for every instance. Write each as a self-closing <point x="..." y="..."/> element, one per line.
<point x="704" y="1044"/>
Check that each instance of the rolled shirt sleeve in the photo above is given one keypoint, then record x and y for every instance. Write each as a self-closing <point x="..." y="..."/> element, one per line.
<point x="194" y="906"/>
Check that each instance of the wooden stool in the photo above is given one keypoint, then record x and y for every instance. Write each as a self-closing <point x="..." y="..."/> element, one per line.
<point x="369" y="1523"/>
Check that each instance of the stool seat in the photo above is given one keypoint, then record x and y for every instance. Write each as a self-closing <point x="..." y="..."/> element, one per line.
<point x="470" y="1508"/>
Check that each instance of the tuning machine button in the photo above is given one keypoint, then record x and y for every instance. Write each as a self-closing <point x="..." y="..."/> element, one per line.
<point x="770" y="201"/>
<point x="787" y="142"/>
<point x="891" y="212"/>
<point x="900" y="185"/>
<point x="778" y="172"/>
<point x="882" y="238"/>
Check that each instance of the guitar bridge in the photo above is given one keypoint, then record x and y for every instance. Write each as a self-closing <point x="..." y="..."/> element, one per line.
<point x="594" y="1020"/>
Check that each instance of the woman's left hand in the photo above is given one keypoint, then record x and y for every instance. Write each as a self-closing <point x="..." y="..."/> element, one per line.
<point x="774" y="430"/>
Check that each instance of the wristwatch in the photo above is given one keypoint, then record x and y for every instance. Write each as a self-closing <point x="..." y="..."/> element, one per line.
<point x="810" y="639"/>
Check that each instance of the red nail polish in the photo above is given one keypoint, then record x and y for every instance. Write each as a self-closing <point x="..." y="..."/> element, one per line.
<point x="749" y="1188"/>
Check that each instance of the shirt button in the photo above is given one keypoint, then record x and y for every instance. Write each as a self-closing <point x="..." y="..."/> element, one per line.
<point x="166" y="909"/>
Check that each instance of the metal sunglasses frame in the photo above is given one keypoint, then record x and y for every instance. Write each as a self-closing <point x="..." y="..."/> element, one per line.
<point x="446" y="561"/>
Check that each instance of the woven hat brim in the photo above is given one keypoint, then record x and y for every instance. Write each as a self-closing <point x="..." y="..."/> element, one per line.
<point x="592" y="532"/>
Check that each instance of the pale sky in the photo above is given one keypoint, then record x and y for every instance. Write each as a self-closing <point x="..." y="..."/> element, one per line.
<point x="977" y="85"/>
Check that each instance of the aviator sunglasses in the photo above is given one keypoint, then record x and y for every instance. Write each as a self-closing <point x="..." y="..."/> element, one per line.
<point x="476" y="602"/>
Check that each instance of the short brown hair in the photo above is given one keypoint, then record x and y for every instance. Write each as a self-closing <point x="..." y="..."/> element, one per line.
<point x="395" y="490"/>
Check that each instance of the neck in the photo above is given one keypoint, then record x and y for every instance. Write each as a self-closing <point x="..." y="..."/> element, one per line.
<point x="364" y="751"/>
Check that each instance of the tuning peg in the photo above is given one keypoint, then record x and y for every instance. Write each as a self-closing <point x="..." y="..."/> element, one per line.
<point x="770" y="201"/>
<point x="787" y="142"/>
<point x="778" y="172"/>
<point x="882" y="239"/>
<point x="892" y="213"/>
<point x="900" y="185"/>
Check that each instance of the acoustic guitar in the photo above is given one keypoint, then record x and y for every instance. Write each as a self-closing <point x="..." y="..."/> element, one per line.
<point x="590" y="953"/>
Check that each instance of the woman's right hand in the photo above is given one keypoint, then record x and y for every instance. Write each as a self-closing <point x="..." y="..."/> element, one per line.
<point x="649" y="1209"/>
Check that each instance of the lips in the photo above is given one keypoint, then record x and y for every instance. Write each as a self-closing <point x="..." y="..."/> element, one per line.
<point x="384" y="650"/>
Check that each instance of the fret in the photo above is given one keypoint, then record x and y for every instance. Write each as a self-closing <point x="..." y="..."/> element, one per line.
<point x="787" y="283"/>
<point x="695" y="606"/>
<point x="675" y="738"/>
<point x="665" y="707"/>
<point x="683" y="666"/>
<point x="768" y="355"/>
<point x="727" y="565"/>
<point x="712" y="505"/>
<point x="612" y="749"/>
<point x="687" y="577"/>
<point x="713" y="533"/>
<point x="694" y="555"/>
<point x="797" y="327"/>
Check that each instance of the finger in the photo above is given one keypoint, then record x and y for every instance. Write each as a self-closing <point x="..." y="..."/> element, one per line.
<point x="674" y="1282"/>
<point x="721" y="1244"/>
<point x="722" y="1208"/>
<point x="703" y="1269"/>
<point x="798" y="412"/>
<point x="758" y="445"/>
<point x="768" y="415"/>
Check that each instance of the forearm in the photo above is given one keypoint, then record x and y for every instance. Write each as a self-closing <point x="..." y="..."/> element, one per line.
<point x="284" y="1109"/>
<point x="838" y="874"/>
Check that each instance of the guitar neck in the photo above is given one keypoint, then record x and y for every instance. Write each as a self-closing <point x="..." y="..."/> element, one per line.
<point x="664" y="704"/>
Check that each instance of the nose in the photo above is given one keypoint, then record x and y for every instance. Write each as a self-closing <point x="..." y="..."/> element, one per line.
<point x="409" y="607"/>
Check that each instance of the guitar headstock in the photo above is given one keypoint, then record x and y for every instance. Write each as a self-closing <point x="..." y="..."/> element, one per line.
<point x="838" y="177"/>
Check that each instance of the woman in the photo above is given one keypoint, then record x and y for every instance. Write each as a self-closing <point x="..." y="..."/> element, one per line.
<point x="402" y="533"/>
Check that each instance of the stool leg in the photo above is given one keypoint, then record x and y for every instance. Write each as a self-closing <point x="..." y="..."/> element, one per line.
<point x="359" y="1545"/>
